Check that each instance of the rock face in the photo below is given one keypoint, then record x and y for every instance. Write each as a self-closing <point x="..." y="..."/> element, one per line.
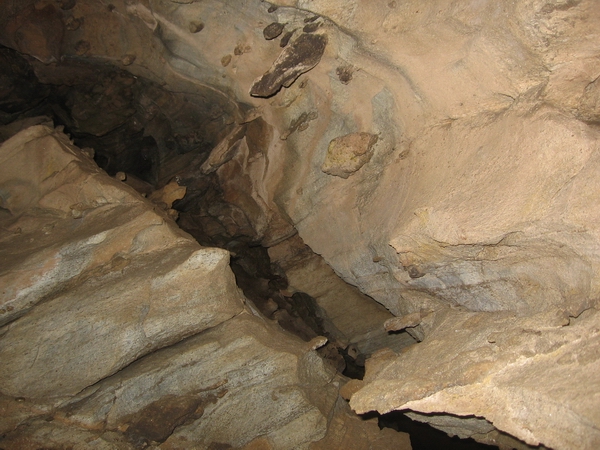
<point x="473" y="218"/>
<point x="119" y="330"/>
<point x="347" y="154"/>
<point x="83" y="272"/>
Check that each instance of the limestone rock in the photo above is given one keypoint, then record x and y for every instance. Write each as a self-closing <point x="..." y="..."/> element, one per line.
<point x="351" y="432"/>
<point x="301" y="56"/>
<point x="515" y="372"/>
<point x="235" y="373"/>
<point x="273" y="30"/>
<point x="92" y="278"/>
<point x="353" y="319"/>
<point x="400" y="323"/>
<point x="481" y="196"/>
<point x="347" y="154"/>
<point x="120" y="332"/>
<point x="36" y="30"/>
<point x="168" y="194"/>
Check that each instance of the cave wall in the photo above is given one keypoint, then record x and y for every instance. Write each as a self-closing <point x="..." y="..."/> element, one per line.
<point x="441" y="157"/>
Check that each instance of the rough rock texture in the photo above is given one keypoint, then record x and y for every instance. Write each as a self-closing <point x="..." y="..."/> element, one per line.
<point x="480" y="194"/>
<point x="354" y="319"/>
<point x="347" y="154"/>
<point x="120" y="332"/>
<point x="92" y="278"/>
<point x="516" y="372"/>
<point x="301" y="56"/>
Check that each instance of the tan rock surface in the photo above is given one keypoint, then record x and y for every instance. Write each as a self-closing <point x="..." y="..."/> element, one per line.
<point x="121" y="332"/>
<point x="519" y="373"/>
<point x="481" y="192"/>
<point x="355" y="319"/>
<point x="92" y="277"/>
<point x="239" y="384"/>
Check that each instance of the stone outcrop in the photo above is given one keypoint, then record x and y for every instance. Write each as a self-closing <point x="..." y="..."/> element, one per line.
<point x="121" y="332"/>
<point x="473" y="218"/>
<point x="516" y="372"/>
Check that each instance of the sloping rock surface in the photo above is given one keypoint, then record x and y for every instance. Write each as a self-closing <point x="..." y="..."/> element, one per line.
<point x="121" y="332"/>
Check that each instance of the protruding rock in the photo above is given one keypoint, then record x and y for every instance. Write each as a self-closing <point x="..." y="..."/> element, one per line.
<point x="273" y="30"/>
<point x="304" y="54"/>
<point x="128" y="60"/>
<point x="400" y="323"/>
<point x="225" y="60"/>
<point x="196" y="26"/>
<point x="347" y="154"/>
<point x="286" y="38"/>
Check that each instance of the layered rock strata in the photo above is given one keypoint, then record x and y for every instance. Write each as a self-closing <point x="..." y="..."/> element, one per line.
<point x="119" y="331"/>
<point x="474" y="212"/>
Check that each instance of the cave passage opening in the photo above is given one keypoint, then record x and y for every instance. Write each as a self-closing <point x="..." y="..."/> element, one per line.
<point x="150" y="137"/>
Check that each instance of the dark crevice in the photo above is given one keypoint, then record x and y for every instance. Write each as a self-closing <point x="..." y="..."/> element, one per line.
<point x="426" y="437"/>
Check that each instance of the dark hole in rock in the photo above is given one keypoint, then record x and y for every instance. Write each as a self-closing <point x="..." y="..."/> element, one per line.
<point x="426" y="437"/>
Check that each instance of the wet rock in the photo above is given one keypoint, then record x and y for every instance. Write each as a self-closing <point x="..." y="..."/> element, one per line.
<point x="347" y="154"/>
<point x="301" y="56"/>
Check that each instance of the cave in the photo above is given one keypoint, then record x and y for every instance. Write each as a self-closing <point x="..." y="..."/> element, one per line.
<point x="299" y="224"/>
